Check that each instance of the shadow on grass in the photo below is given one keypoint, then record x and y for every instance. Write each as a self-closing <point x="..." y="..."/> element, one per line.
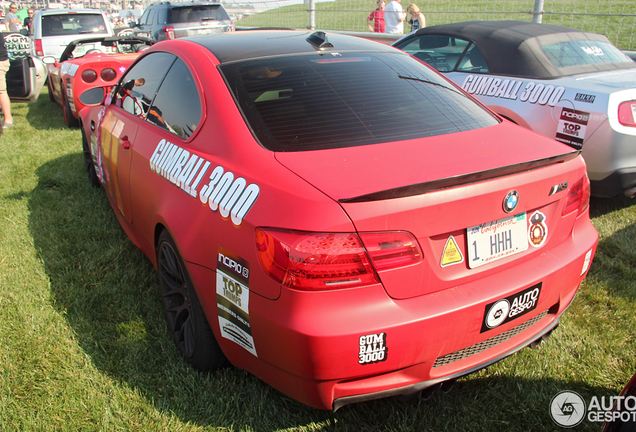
<point x="44" y="114"/>
<point x="107" y="290"/>
<point x="603" y="206"/>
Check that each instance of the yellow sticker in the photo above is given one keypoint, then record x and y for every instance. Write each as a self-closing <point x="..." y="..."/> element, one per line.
<point x="452" y="254"/>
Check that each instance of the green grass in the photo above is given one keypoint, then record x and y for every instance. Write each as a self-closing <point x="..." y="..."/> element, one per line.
<point x="84" y="346"/>
<point x="615" y="19"/>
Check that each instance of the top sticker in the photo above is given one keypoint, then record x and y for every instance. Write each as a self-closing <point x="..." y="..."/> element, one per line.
<point x="572" y="127"/>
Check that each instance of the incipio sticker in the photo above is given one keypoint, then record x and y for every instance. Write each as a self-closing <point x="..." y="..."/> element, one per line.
<point x="572" y="127"/>
<point x="232" y="299"/>
<point x="510" y="308"/>
<point x="373" y="348"/>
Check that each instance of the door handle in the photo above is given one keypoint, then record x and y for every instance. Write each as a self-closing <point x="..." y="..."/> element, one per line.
<point x="124" y="142"/>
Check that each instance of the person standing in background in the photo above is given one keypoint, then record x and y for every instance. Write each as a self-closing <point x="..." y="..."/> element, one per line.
<point x="28" y="21"/>
<point x="418" y="20"/>
<point x="377" y="16"/>
<point x="5" y="103"/>
<point x="11" y="21"/>
<point x="394" y="17"/>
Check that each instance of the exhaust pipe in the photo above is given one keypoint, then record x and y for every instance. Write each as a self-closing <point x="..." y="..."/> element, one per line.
<point x="630" y="193"/>
<point x="536" y="343"/>
<point x="447" y="386"/>
<point x="428" y="392"/>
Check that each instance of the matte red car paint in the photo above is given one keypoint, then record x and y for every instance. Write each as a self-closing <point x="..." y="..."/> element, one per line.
<point x="309" y="344"/>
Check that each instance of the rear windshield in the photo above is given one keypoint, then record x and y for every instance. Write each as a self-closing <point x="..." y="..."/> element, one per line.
<point x="178" y="15"/>
<point x="73" y="24"/>
<point x="332" y="100"/>
<point x="581" y="53"/>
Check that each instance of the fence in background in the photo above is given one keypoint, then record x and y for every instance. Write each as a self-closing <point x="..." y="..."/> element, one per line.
<point x="614" y="18"/>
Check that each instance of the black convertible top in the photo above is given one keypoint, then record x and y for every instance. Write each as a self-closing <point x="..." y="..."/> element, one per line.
<point x="514" y="47"/>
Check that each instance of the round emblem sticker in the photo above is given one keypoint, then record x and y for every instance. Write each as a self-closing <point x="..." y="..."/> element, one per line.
<point x="497" y="313"/>
<point x="538" y="231"/>
<point x="510" y="201"/>
<point x="567" y="409"/>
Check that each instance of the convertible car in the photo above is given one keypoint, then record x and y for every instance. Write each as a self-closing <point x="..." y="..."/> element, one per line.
<point x="340" y="239"/>
<point x="88" y="69"/>
<point x="567" y="84"/>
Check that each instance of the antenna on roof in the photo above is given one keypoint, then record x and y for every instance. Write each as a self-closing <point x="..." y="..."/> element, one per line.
<point x="319" y="40"/>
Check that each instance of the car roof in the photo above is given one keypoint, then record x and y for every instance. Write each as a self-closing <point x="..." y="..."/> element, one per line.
<point x="244" y="45"/>
<point x="514" y="47"/>
<point x="187" y="3"/>
<point x="65" y="11"/>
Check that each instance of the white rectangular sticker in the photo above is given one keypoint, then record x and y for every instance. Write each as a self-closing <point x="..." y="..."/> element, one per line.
<point x="232" y="299"/>
<point x="494" y="240"/>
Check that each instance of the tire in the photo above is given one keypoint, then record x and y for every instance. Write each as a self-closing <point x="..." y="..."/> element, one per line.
<point x="88" y="163"/>
<point x="51" y="97"/>
<point x="187" y="324"/>
<point x="69" y="119"/>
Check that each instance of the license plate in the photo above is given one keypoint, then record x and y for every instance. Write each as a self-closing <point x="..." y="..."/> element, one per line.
<point x="146" y="35"/>
<point x="498" y="239"/>
<point x="205" y="31"/>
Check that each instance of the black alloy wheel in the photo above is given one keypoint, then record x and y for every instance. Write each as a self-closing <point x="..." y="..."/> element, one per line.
<point x="187" y="323"/>
<point x="69" y="119"/>
<point x="88" y="162"/>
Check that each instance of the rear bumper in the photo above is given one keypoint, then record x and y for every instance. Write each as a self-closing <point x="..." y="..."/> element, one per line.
<point x="420" y="386"/>
<point x="308" y="345"/>
<point x="619" y="182"/>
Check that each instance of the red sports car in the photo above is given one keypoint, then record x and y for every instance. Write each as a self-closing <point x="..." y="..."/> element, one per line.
<point x="88" y="69"/>
<point x="335" y="217"/>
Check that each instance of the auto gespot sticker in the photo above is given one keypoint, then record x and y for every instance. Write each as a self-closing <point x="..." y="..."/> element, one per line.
<point x="524" y="91"/>
<point x="372" y="348"/>
<point x="229" y="195"/>
<point x="510" y="308"/>
<point x="232" y="299"/>
<point x="572" y="127"/>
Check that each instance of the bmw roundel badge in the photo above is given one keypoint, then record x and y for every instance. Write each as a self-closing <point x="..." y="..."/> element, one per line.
<point x="510" y="201"/>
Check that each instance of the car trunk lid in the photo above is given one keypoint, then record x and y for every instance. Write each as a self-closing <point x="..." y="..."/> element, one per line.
<point x="449" y="195"/>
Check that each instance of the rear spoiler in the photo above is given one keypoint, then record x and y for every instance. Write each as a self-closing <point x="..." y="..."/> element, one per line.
<point x="460" y="180"/>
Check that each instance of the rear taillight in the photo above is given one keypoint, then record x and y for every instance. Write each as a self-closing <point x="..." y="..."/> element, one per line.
<point x="39" y="50"/>
<point x="390" y="250"/>
<point x="108" y="74"/>
<point x="578" y="197"/>
<point x="169" y="32"/>
<point x="627" y="113"/>
<point x="89" y="76"/>
<point x="329" y="261"/>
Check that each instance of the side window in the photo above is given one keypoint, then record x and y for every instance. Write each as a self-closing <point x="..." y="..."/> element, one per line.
<point x="139" y="86"/>
<point x="439" y="51"/>
<point x="162" y="16"/>
<point x="473" y="61"/>
<point x="177" y="107"/>
<point x="151" y="16"/>
<point x="144" y="17"/>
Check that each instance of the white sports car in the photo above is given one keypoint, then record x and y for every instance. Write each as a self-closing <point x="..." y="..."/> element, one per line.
<point x="567" y="84"/>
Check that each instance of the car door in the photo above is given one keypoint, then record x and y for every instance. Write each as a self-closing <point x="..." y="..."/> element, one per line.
<point x="26" y="74"/>
<point x="120" y="123"/>
<point x="145" y="23"/>
<point x="163" y="146"/>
